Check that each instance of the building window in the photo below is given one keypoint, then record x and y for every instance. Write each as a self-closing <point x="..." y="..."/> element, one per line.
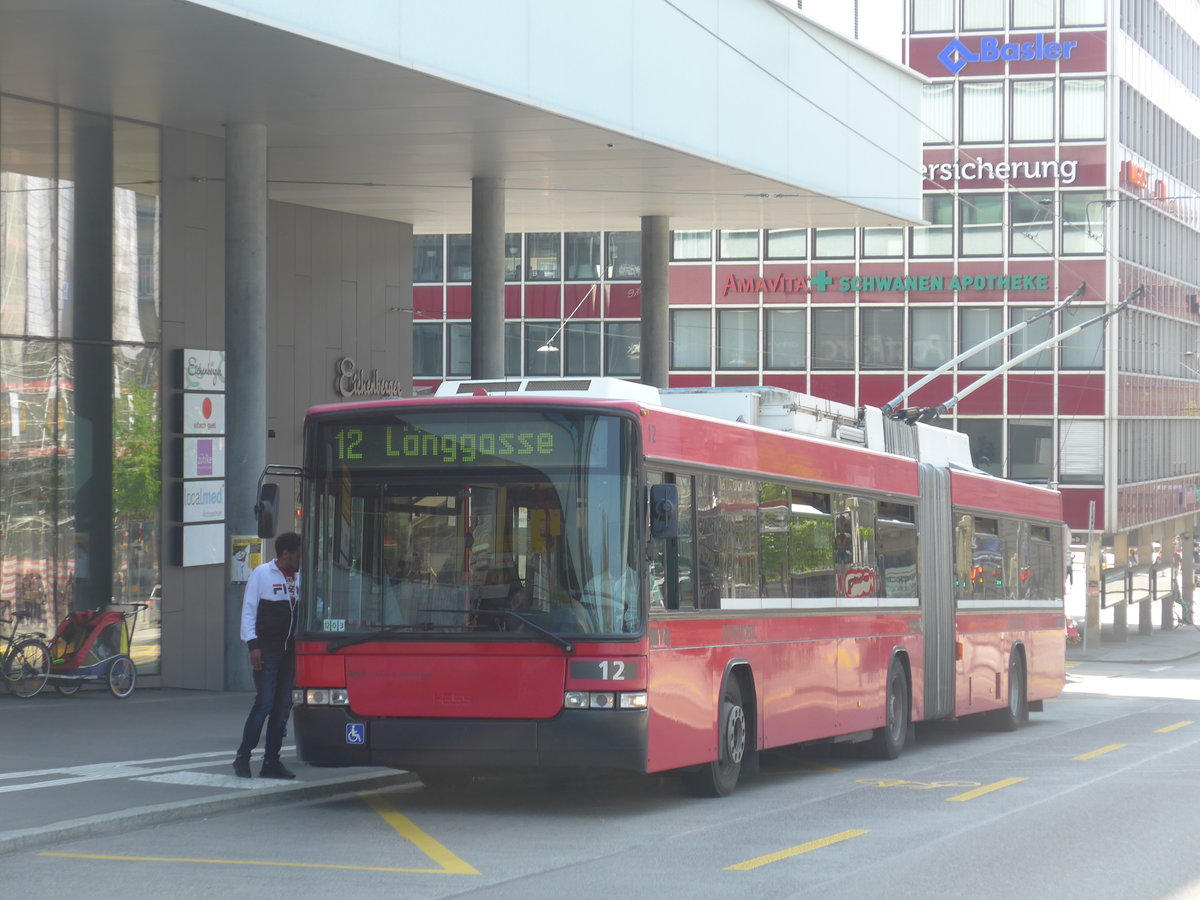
<point x="1033" y="13"/>
<point x="691" y="245"/>
<point x="1083" y="109"/>
<point x="833" y="339"/>
<point x="785" y="340"/>
<point x="986" y="437"/>
<point x="542" y="255"/>
<point x="833" y="243"/>
<point x="583" y="255"/>
<point x="1030" y="451"/>
<point x="982" y="232"/>
<point x="1032" y="110"/>
<point x="458" y="350"/>
<point x="541" y="353"/>
<point x="930" y="337"/>
<point x="427" y="259"/>
<point x="1081" y="451"/>
<point x="936" y="238"/>
<point x="1083" y="12"/>
<point x="624" y="255"/>
<point x="983" y="15"/>
<point x="933" y="15"/>
<point x="983" y="112"/>
<point x="1082" y="223"/>
<point x="582" y="341"/>
<point x="1030" y="336"/>
<point x="1032" y="224"/>
<point x="737" y="245"/>
<point x="691" y="339"/>
<point x="883" y="242"/>
<point x="1084" y="350"/>
<point x="787" y="243"/>
<point x="512" y="257"/>
<point x="427" y="349"/>
<point x="881" y="341"/>
<point x="737" y="339"/>
<point x="937" y="112"/>
<point x="977" y="324"/>
<point x="458" y="257"/>
<point x="512" y="349"/>
<point x="623" y="349"/>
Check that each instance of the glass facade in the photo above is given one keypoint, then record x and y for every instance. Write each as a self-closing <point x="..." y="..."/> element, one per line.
<point x="80" y="366"/>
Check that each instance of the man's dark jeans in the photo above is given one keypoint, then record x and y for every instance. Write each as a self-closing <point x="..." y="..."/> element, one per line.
<point x="272" y="703"/>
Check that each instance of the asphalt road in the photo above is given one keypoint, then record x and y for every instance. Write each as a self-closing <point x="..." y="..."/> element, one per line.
<point x="1095" y="798"/>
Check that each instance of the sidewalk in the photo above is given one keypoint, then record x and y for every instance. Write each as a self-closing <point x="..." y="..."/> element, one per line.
<point x="81" y="766"/>
<point x="1157" y="647"/>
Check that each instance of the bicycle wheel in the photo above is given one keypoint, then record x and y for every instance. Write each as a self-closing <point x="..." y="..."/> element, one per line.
<point x="122" y="677"/>
<point x="26" y="667"/>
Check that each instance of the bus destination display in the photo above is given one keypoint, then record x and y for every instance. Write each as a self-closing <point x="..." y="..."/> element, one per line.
<point x="537" y="442"/>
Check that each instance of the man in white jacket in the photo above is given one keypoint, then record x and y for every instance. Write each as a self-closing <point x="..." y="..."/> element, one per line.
<point x="270" y="614"/>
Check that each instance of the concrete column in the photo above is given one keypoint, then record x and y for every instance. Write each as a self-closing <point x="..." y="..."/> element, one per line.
<point x="245" y="361"/>
<point x="1147" y="583"/>
<point x="487" y="278"/>
<point x="1120" y="630"/>
<point x="656" y="329"/>
<point x="1187" y="570"/>
<point x="91" y="259"/>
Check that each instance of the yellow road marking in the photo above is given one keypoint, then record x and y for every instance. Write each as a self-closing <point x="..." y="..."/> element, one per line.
<point x="448" y="863"/>
<point x="1174" y="727"/>
<point x="1109" y="749"/>
<point x="237" y="862"/>
<point x="1071" y="665"/>
<point x="436" y="851"/>
<point x="986" y="789"/>
<point x="795" y="851"/>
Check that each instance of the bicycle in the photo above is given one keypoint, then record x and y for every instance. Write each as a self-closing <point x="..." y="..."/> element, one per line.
<point x="25" y="665"/>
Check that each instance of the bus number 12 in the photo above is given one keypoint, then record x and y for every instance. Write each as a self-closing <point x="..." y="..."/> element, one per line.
<point x="348" y="441"/>
<point x="616" y="667"/>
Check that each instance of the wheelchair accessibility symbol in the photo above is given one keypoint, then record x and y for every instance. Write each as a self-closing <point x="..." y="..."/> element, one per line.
<point x="356" y="733"/>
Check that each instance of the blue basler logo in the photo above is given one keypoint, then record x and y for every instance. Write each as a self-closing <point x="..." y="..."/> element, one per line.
<point x="955" y="55"/>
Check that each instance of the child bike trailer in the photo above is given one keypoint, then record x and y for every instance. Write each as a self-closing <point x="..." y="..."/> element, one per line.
<point x="93" y="645"/>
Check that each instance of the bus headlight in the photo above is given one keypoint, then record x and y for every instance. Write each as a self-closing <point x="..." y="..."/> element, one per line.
<point x="321" y="697"/>
<point x="604" y="700"/>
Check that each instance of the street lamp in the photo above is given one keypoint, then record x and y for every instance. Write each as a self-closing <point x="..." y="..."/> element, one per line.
<point x="549" y="347"/>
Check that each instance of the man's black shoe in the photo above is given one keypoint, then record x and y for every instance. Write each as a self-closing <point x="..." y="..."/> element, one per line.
<point x="241" y="767"/>
<point x="275" y="769"/>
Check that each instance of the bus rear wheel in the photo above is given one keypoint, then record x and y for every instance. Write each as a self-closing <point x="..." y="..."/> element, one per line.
<point x="719" y="777"/>
<point x="888" y="742"/>
<point x="1016" y="712"/>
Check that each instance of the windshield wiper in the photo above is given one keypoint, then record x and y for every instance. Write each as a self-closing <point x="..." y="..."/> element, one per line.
<point x="389" y="631"/>
<point x="334" y="646"/>
<point x="558" y="639"/>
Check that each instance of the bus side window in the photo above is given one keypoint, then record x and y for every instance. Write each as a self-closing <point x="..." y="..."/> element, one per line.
<point x="672" y="584"/>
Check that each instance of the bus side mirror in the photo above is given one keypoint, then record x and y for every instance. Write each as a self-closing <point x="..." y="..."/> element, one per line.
<point x="664" y="511"/>
<point x="266" y="511"/>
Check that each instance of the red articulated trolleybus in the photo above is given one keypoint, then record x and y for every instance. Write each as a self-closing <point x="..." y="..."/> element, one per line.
<point x="598" y="575"/>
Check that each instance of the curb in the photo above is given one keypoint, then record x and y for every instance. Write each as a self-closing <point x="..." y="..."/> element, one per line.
<point x="145" y="816"/>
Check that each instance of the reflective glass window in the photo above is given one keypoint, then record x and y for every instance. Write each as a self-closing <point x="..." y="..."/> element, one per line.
<point x="691" y="339"/>
<point x="786" y="339"/>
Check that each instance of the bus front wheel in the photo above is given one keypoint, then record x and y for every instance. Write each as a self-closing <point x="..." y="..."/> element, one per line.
<point x="719" y="777"/>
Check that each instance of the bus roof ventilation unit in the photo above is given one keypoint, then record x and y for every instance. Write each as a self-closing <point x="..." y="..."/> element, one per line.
<point x="595" y="388"/>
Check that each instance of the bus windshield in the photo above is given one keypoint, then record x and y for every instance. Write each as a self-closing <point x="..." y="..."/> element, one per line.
<point x="493" y="524"/>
